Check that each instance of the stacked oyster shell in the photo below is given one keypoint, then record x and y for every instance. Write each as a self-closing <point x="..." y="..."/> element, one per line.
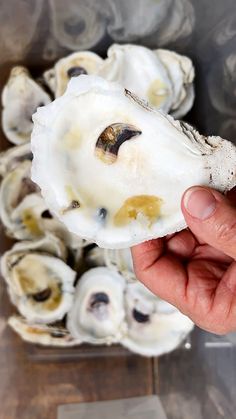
<point x="67" y="290"/>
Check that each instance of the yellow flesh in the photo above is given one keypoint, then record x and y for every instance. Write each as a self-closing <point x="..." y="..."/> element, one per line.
<point x="157" y="93"/>
<point x="31" y="223"/>
<point x="146" y="205"/>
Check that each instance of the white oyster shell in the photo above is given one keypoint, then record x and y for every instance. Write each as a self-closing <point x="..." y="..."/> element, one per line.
<point x="10" y="158"/>
<point x="139" y="70"/>
<point x="42" y="334"/>
<point x="123" y="197"/>
<point x="154" y="326"/>
<point x="97" y="315"/>
<point x="39" y="284"/>
<point x="119" y="260"/>
<point x="23" y="211"/>
<point x="49" y="78"/>
<point x="181" y="73"/>
<point x="21" y="97"/>
<point x="84" y="62"/>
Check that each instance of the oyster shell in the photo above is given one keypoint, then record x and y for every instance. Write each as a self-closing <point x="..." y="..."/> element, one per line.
<point x="137" y="195"/>
<point x="154" y="326"/>
<point x="127" y="23"/>
<point x="39" y="284"/>
<point x="24" y="212"/>
<point x="119" y="260"/>
<point x="78" y="25"/>
<point x="21" y="97"/>
<point x="84" y="62"/>
<point x="140" y="70"/>
<point x="181" y="73"/>
<point x="10" y="158"/>
<point x="97" y="315"/>
<point x="42" y="334"/>
<point x="161" y="77"/>
<point x="49" y="78"/>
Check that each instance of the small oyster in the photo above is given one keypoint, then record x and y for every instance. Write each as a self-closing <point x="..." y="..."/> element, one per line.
<point x="42" y="334"/>
<point x="39" y="284"/>
<point x="21" y="97"/>
<point x="10" y="158"/>
<point x="84" y="62"/>
<point x="97" y="315"/>
<point x="49" y="78"/>
<point x="154" y="326"/>
<point x="137" y="194"/>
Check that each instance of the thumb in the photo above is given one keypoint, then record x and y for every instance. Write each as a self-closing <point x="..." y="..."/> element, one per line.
<point x="211" y="217"/>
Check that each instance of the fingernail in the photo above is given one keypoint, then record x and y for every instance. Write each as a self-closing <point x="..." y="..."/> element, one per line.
<point x="200" y="203"/>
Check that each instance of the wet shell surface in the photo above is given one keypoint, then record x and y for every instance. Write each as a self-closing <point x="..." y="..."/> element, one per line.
<point x="39" y="284"/>
<point x="42" y="334"/>
<point x="162" y="78"/>
<point x="154" y="326"/>
<point x="21" y="97"/>
<point x="114" y="170"/>
<point x="97" y="315"/>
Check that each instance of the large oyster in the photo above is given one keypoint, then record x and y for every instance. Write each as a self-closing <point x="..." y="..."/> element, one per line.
<point x="42" y="334"/>
<point x="114" y="170"/>
<point x="21" y="97"/>
<point x="154" y="326"/>
<point x="84" y="62"/>
<point x="161" y="77"/>
<point x="39" y="284"/>
<point x="10" y="158"/>
<point x="97" y="315"/>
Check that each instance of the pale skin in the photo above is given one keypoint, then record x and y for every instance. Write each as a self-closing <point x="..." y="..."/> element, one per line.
<point x="195" y="269"/>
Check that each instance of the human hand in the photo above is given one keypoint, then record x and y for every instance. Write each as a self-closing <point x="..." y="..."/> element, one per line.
<point x="195" y="269"/>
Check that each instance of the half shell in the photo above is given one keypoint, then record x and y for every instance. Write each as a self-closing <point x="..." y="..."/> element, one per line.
<point x="10" y="158"/>
<point x="39" y="284"/>
<point x="154" y="326"/>
<point x="145" y="161"/>
<point x="97" y="315"/>
<point x="84" y="62"/>
<point x="21" y="97"/>
<point x="42" y="334"/>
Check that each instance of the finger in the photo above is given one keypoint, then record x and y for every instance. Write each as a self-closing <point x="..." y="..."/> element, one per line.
<point x="211" y="217"/>
<point x="206" y="252"/>
<point x="163" y="274"/>
<point x="182" y="244"/>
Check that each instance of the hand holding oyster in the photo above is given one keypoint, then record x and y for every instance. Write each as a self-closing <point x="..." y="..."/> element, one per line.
<point x="114" y="170"/>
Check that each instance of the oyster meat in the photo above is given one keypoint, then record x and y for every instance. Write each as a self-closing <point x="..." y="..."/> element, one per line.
<point x="114" y="170"/>
<point x="154" y="326"/>
<point x="97" y="315"/>
<point x="42" y="334"/>
<point x="21" y="97"/>
<point x="161" y="77"/>
<point x="39" y="284"/>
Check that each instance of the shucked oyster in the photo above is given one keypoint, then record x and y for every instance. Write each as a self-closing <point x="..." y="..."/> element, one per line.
<point x="163" y="78"/>
<point x="97" y="315"/>
<point x="84" y="62"/>
<point x="154" y="326"/>
<point x="42" y="334"/>
<point x="114" y="170"/>
<point x="39" y="284"/>
<point x="21" y="97"/>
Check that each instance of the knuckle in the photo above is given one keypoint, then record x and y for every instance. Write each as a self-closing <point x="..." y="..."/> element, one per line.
<point x="226" y="232"/>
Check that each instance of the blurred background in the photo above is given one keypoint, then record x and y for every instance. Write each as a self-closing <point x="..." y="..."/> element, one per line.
<point x="198" y="380"/>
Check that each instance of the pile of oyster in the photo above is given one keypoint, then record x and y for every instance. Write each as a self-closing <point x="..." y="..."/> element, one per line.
<point x="67" y="290"/>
